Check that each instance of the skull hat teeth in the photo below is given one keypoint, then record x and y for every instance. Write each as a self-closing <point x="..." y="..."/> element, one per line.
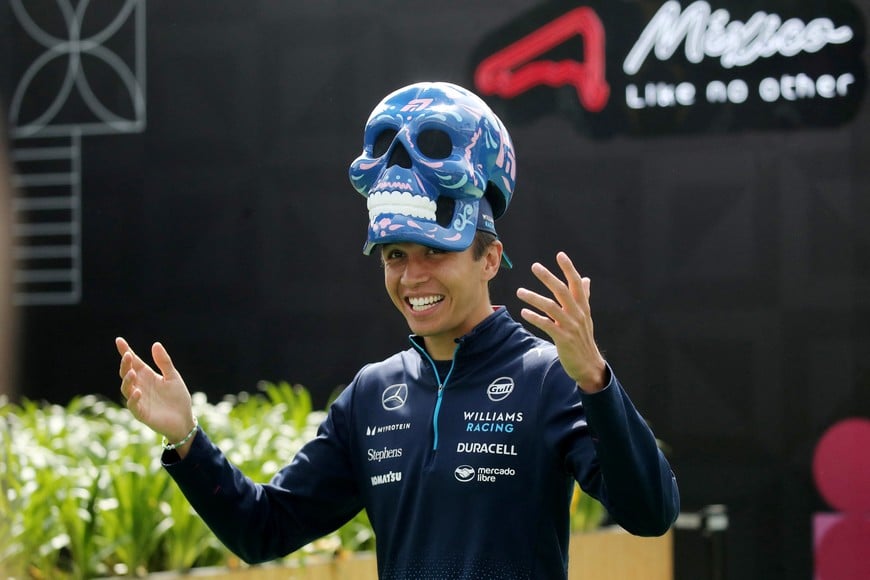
<point x="406" y="180"/>
<point x="401" y="203"/>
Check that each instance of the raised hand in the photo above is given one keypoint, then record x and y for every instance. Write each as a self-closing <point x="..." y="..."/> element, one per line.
<point x="159" y="400"/>
<point x="567" y="319"/>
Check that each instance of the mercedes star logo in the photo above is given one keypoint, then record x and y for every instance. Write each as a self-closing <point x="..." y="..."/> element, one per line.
<point x="394" y="397"/>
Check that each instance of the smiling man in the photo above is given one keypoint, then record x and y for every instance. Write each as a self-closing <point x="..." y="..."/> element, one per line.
<point x="465" y="447"/>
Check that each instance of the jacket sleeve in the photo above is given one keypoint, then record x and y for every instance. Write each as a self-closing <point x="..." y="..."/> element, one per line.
<point x="312" y="496"/>
<point x="614" y="456"/>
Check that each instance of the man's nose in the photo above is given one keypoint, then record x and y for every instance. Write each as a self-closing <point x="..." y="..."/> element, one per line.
<point x="416" y="271"/>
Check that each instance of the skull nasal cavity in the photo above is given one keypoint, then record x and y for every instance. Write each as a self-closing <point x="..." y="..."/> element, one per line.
<point x="399" y="157"/>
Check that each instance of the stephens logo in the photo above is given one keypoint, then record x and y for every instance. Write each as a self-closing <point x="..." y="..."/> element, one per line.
<point x="394" y="397"/>
<point x="631" y="68"/>
<point x="381" y="454"/>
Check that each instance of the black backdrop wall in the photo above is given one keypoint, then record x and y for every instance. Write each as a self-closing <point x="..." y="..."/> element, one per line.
<point x="209" y="207"/>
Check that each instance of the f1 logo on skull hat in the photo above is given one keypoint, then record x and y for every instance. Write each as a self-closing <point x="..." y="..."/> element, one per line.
<point x="416" y="105"/>
<point x="394" y="397"/>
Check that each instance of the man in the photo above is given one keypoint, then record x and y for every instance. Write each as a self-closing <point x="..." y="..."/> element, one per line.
<point x="464" y="448"/>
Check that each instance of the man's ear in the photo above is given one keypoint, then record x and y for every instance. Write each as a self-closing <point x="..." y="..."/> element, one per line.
<point x="492" y="259"/>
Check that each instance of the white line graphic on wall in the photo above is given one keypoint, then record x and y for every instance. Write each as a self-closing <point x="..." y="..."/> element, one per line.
<point x="70" y="86"/>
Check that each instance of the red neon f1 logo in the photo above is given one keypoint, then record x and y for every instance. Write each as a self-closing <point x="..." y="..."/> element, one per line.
<point x="512" y="70"/>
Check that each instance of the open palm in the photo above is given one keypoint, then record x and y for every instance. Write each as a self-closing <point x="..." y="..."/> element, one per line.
<point x="159" y="400"/>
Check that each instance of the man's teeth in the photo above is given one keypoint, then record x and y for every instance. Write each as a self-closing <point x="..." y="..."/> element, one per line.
<point x="423" y="302"/>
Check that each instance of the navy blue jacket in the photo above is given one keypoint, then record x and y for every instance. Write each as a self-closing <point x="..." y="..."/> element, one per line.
<point x="467" y="473"/>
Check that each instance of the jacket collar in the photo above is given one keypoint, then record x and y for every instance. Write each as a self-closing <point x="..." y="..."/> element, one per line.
<point x="486" y="336"/>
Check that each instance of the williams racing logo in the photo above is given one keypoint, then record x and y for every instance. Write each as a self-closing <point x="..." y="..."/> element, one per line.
<point x="491" y="422"/>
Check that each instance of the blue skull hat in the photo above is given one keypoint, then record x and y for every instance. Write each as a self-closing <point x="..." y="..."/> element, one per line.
<point x="431" y="152"/>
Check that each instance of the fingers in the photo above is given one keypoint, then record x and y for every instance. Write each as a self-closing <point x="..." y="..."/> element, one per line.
<point x="128" y="382"/>
<point x="129" y="359"/>
<point x="548" y="279"/>
<point x="162" y="360"/>
<point x="569" y="304"/>
<point x="541" y="322"/>
<point x="542" y="303"/>
<point x="130" y="367"/>
<point x="570" y="293"/>
<point x="578" y="285"/>
<point x="121" y="345"/>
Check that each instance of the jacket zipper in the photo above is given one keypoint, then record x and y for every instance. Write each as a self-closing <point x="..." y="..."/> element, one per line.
<point x="441" y="386"/>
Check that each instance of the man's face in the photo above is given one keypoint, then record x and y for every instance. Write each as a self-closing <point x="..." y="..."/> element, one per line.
<point x="442" y="295"/>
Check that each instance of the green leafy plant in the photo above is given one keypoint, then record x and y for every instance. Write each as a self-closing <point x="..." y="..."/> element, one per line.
<point x="82" y="493"/>
<point x="587" y="513"/>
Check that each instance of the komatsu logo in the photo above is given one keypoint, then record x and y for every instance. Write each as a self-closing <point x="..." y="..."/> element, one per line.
<point x="388" y="477"/>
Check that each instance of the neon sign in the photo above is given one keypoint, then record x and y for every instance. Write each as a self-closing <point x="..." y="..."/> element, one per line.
<point x="674" y="69"/>
<point x="512" y="70"/>
<point x="709" y="33"/>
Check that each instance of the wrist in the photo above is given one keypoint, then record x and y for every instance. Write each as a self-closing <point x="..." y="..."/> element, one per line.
<point x="170" y="444"/>
<point x="595" y="381"/>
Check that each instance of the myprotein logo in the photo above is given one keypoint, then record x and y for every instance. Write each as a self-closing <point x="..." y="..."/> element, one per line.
<point x="372" y="430"/>
<point x="394" y="397"/>
<point x="644" y="70"/>
<point x="500" y="389"/>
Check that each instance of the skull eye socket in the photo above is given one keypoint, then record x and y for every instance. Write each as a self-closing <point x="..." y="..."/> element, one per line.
<point x="383" y="141"/>
<point x="434" y="144"/>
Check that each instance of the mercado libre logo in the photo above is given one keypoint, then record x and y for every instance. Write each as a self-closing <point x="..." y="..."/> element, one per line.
<point x="655" y="68"/>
